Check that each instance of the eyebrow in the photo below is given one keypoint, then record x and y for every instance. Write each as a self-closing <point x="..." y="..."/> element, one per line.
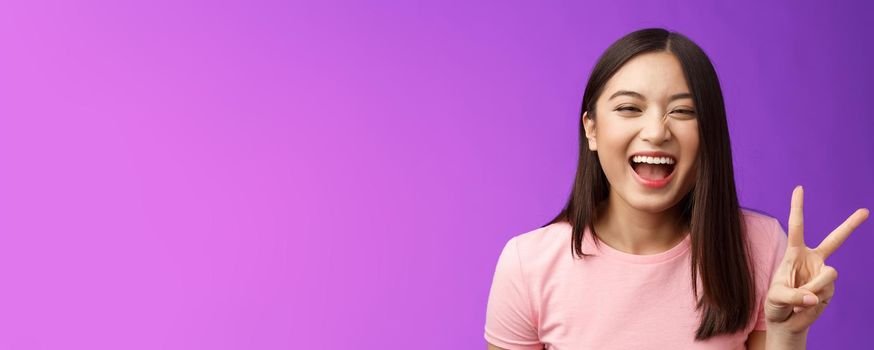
<point x="639" y="96"/>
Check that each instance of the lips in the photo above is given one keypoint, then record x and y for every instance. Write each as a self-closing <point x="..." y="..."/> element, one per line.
<point x="652" y="183"/>
<point x="648" y="178"/>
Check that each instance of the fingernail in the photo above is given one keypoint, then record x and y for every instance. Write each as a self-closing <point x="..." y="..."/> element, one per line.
<point x="809" y="300"/>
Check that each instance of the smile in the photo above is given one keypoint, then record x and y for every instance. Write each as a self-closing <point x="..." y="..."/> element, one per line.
<point x="652" y="172"/>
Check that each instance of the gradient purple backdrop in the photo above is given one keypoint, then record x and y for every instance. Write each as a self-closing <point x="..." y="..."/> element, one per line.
<point x="337" y="175"/>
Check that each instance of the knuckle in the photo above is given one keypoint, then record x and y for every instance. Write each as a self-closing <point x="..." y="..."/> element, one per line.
<point x="831" y="272"/>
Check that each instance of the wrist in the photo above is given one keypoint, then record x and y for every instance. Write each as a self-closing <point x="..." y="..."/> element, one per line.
<point x="779" y="338"/>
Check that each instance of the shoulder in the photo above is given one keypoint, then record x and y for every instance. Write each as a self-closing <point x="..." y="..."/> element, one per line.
<point x="763" y="230"/>
<point x="542" y="248"/>
<point x="543" y="240"/>
<point x="766" y="240"/>
<point x="757" y="217"/>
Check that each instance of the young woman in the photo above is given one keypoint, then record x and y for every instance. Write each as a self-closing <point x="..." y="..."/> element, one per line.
<point x="652" y="209"/>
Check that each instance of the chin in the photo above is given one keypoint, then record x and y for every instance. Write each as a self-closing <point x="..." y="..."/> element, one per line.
<point x="654" y="206"/>
<point x="653" y="202"/>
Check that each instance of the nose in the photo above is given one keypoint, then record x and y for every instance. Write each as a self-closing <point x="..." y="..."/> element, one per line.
<point x="656" y="129"/>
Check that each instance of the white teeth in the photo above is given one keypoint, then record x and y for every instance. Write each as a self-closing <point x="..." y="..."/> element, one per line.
<point x="653" y="160"/>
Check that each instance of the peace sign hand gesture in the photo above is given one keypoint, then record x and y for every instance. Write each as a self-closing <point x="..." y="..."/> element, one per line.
<point x="803" y="284"/>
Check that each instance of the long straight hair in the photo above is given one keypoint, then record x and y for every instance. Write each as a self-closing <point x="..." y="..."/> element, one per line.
<point x="719" y="249"/>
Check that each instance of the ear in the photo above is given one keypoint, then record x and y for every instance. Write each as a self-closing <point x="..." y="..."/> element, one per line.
<point x="589" y="125"/>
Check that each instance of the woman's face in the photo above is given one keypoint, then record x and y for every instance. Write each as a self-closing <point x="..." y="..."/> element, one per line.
<point x="646" y="107"/>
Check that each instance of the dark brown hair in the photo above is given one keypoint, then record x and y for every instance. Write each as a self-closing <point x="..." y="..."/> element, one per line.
<point x="719" y="251"/>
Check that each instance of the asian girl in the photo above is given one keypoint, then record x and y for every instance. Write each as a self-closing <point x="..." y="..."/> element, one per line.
<point x="652" y="250"/>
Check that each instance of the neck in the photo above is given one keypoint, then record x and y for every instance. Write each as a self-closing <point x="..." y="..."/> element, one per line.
<point x="638" y="232"/>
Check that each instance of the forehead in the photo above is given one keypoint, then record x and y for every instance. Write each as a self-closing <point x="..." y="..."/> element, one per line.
<point x="655" y="75"/>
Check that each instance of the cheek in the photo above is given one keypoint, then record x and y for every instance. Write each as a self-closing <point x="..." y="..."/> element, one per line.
<point x="689" y="140"/>
<point x="612" y="152"/>
<point x="690" y="147"/>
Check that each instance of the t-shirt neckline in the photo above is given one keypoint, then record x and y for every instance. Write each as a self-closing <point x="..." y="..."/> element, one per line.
<point x="608" y="251"/>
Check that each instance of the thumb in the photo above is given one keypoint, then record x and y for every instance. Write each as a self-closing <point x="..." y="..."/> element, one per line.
<point x="782" y="299"/>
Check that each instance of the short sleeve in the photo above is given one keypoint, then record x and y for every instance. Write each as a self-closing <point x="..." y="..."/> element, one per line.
<point x="509" y="317"/>
<point x="779" y="248"/>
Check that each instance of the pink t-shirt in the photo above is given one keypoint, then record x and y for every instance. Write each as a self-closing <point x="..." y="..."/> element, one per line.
<point x="542" y="298"/>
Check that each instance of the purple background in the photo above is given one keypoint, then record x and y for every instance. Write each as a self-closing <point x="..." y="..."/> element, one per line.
<point x="333" y="175"/>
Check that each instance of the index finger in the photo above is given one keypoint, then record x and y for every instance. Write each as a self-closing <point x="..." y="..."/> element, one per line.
<point x="840" y="234"/>
<point x="796" y="218"/>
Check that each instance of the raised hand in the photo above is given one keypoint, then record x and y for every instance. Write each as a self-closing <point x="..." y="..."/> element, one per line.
<point x="803" y="284"/>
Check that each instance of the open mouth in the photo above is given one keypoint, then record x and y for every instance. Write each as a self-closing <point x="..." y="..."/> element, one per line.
<point x="653" y="172"/>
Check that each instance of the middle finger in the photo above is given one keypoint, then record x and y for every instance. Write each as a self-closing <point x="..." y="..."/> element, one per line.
<point x="827" y="276"/>
<point x="840" y="234"/>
